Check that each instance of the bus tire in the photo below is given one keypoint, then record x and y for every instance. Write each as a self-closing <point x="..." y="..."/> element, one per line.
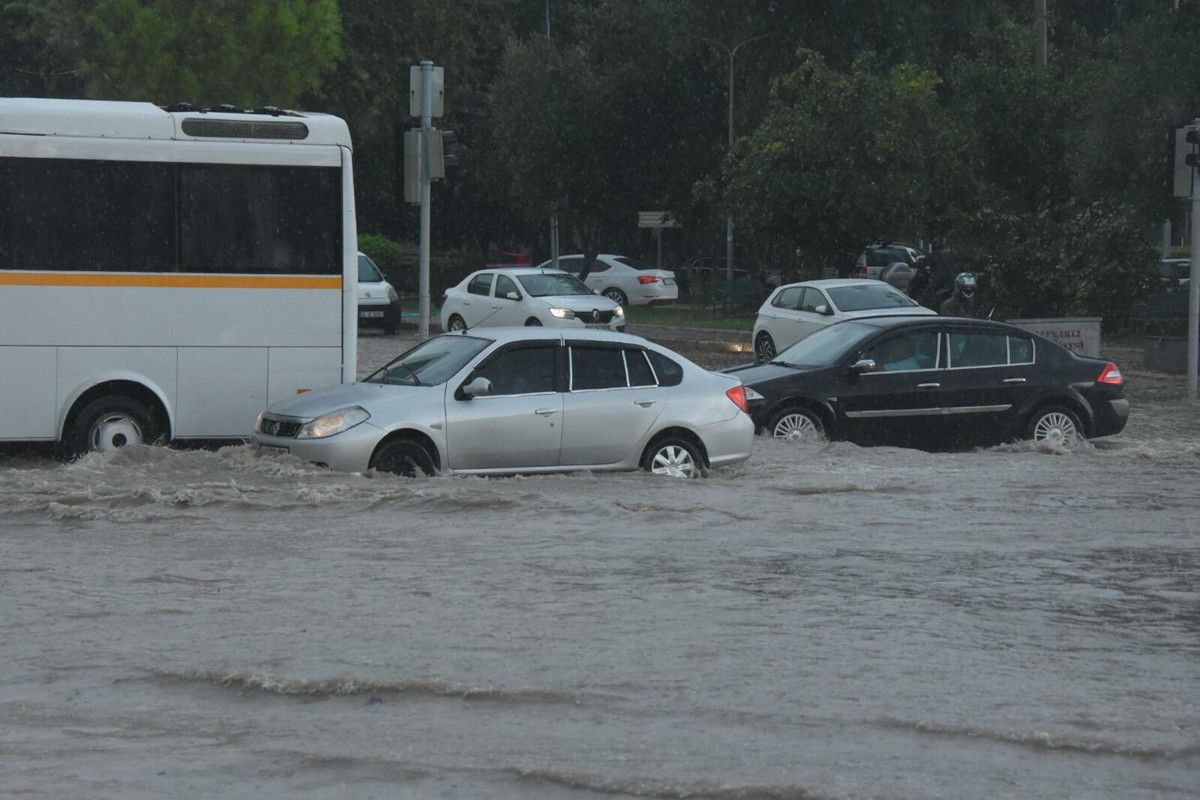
<point x="109" y="423"/>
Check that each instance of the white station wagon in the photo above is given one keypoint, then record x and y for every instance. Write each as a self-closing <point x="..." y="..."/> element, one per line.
<point x="796" y="310"/>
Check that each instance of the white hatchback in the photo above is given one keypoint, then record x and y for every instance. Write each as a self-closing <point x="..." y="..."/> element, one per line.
<point x="796" y="310"/>
<point x="528" y="296"/>
<point x="623" y="280"/>
<point x="378" y="303"/>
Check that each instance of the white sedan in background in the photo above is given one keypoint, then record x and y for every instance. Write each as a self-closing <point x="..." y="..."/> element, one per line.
<point x="796" y="310"/>
<point x="623" y="280"/>
<point x="527" y="296"/>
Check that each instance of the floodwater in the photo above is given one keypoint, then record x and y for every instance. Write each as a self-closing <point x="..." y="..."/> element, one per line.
<point x="827" y="622"/>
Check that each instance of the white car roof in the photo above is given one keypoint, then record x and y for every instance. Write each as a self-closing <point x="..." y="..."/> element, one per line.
<point x="522" y="271"/>
<point x="834" y="283"/>
<point x="125" y="120"/>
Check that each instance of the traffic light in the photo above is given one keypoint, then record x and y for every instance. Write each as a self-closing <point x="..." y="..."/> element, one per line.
<point x="1192" y="159"/>
<point x="437" y="144"/>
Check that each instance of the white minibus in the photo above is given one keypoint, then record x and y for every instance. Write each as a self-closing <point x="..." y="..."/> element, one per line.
<point x="167" y="273"/>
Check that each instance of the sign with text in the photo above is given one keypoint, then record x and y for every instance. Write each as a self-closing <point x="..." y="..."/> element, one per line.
<point x="657" y="219"/>
<point x="1080" y="335"/>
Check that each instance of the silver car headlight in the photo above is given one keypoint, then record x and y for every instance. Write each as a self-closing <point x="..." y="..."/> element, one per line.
<point x="752" y="395"/>
<point x="619" y="312"/>
<point x="333" y="423"/>
<point x="562" y="313"/>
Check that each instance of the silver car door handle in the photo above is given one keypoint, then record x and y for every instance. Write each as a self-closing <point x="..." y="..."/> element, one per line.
<point x="497" y="305"/>
<point x="929" y="386"/>
<point x="644" y="403"/>
<point x="545" y="412"/>
<point x="1014" y="380"/>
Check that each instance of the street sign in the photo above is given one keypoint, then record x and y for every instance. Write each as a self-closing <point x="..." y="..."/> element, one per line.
<point x="412" y="165"/>
<point x="1183" y="174"/>
<point x="657" y="219"/>
<point x="414" y="91"/>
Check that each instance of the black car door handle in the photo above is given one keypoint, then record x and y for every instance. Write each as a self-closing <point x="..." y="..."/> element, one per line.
<point x="929" y="386"/>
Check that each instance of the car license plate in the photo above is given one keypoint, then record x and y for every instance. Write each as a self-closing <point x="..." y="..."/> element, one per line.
<point x="274" y="451"/>
<point x="370" y="315"/>
<point x="668" y="281"/>
<point x="600" y="325"/>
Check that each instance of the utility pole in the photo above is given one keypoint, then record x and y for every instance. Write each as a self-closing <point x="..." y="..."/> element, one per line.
<point x="1193" y="343"/>
<point x="554" y="252"/>
<point x="731" y="54"/>
<point x="1039" y="32"/>
<point x="423" y="264"/>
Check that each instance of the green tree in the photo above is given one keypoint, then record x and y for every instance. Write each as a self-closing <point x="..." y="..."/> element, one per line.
<point x="246" y="52"/>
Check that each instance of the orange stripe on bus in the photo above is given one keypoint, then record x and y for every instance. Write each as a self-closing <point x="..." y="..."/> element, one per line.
<point x="170" y="280"/>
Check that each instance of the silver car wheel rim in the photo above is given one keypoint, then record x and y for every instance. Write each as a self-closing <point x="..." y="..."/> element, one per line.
<point x="1056" y="428"/>
<point x="113" y="431"/>
<point x="674" y="462"/>
<point x="457" y="325"/>
<point x="798" y="428"/>
<point x="615" y="296"/>
<point x="766" y="348"/>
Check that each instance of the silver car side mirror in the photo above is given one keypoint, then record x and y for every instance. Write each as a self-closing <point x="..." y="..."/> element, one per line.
<point x="479" y="387"/>
<point x="824" y="310"/>
<point x="862" y="365"/>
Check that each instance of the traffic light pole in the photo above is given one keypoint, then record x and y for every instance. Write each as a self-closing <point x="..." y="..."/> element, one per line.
<point x="1193" y="351"/>
<point x="423" y="263"/>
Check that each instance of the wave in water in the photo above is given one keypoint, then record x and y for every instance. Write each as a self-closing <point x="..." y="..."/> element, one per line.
<point x="266" y="683"/>
<point x="1041" y="740"/>
<point x="666" y="789"/>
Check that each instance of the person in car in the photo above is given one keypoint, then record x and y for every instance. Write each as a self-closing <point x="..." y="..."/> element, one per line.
<point x="962" y="302"/>
<point x="897" y="355"/>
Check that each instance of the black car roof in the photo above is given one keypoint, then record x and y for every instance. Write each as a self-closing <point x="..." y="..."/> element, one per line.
<point x="898" y="320"/>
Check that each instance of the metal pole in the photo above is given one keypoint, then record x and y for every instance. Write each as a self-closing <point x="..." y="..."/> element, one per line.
<point x="729" y="213"/>
<point x="1039" y="32"/>
<point x="423" y="265"/>
<point x="1193" y="343"/>
<point x="554" y="252"/>
<point x="658" y="241"/>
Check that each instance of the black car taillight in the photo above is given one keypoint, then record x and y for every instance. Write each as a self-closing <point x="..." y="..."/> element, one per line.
<point x="1111" y="375"/>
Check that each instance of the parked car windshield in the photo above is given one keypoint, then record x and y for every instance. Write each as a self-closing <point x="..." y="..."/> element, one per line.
<point x="825" y="347"/>
<point x="553" y="285"/>
<point x="864" y="296"/>
<point x="431" y="362"/>
<point x="367" y="271"/>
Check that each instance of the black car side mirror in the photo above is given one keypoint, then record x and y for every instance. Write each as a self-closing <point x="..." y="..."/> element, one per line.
<point x="862" y="365"/>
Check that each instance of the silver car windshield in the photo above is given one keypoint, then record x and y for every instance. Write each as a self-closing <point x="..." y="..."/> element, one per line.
<point x="553" y="285"/>
<point x="825" y="347"/>
<point x="367" y="271"/>
<point x="864" y="296"/>
<point x="431" y="362"/>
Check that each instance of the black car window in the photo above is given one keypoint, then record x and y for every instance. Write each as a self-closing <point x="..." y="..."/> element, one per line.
<point x="481" y="284"/>
<point x="668" y="372"/>
<point x="640" y="373"/>
<point x="788" y="298"/>
<point x="573" y="265"/>
<point x="504" y="285"/>
<point x="909" y="351"/>
<point x="600" y="266"/>
<point x="597" y="368"/>
<point x="978" y="349"/>
<point x="1020" y="350"/>
<point x="524" y="370"/>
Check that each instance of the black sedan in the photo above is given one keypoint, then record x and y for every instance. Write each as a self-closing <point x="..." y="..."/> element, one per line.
<point x="933" y="382"/>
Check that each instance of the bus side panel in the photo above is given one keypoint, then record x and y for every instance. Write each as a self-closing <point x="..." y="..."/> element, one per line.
<point x="27" y="386"/>
<point x="81" y="368"/>
<point x="221" y="391"/>
<point x="294" y="369"/>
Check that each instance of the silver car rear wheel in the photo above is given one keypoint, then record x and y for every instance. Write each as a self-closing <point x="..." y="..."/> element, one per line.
<point x="674" y="461"/>
<point x="456" y="323"/>
<point x="1055" y="425"/>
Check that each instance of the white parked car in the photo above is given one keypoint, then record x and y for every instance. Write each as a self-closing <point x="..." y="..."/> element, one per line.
<point x="623" y="280"/>
<point x="529" y="296"/>
<point x="378" y="303"/>
<point x="506" y="400"/>
<point x="794" y="311"/>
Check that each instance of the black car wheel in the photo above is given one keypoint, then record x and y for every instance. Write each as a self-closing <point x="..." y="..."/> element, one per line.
<point x="797" y="425"/>
<point x="456" y="323"/>
<point x="403" y="457"/>
<point x="1055" y="424"/>
<point x="764" y="347"/>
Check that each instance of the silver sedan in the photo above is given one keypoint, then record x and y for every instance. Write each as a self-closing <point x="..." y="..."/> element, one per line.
<point x="520" y="400"/>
